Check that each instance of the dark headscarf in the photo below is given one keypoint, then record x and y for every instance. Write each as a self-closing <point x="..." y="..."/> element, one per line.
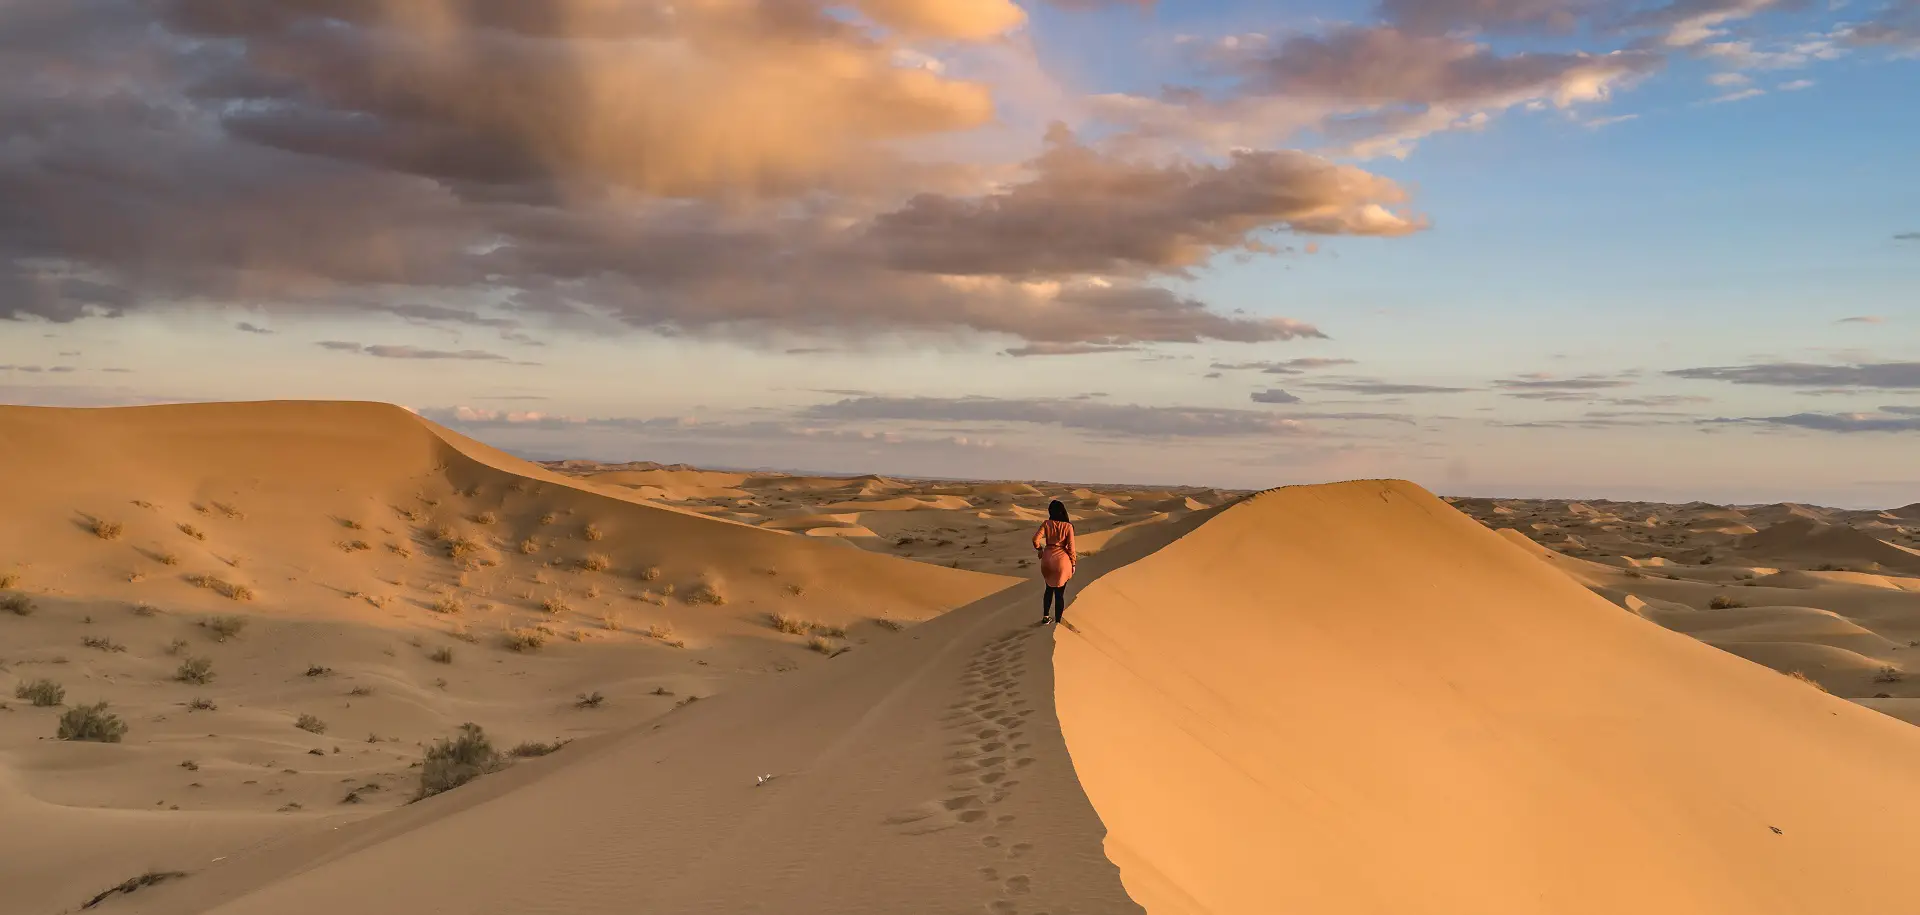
<point x="1057" y="510"/>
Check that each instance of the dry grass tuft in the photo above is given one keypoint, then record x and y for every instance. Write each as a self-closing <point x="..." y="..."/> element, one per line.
<point x="231" y="512"/>
<point x="91" y="723"/>
<point x="1888" y="674"/>
<point x="549" y="518"/>
<point x="524" y="640"/>
<point x="193" y="532"/>
<point x="145" y="610"/>
<point x="134" y="884"/>
<point x="223" y="627"/>
<point x="791" y="625"/>
<point x="650" y="573"/>
<point x="832" y="632"/>
<point x="708" y="592"/>
<point x="1802" y="677"/>
<point x="310" y="724"/>
<point x="891" y="625"/>
<point x="202" y="704"/>
<point x="441" y="656"/>
<point x="796" y="590"/>
<point x="166" y="559"/>
<point x="17" y="604"/>
<point x="198" y="671"/>
<point x="356" y="546"/>
<point x="596" y="562"/>
<point x="42" y="693"/>
<point x="591" y="532"/>
<point x="8" y="580"/>
<point x="448" y="604"/>
<point x="102" y="644"/>
<point x="315" y="670"/>
<point x="458" y="760"/>
<point x="488" y="518"/>
<point x="106" y="530"/>
<point x="176" y="646"/>
<point x="555" y="604"/>
<point x="821" y="644"/>
<point x="589" y="700"/>
<point x="222" y="587"/>
<point x="532" y="749"/>
<point x="1723" y="602"/>
<point x="529" y="546"/>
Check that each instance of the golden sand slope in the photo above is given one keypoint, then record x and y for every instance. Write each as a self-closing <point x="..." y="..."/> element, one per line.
<point x="368" y="541"/>
<point x="1351" y="698"/>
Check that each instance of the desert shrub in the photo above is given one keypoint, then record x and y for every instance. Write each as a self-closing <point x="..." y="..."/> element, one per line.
<point x="555" y="604"/>
<point x="176" y="646"/>
<point x="708" y="592"/>
<point x="223" y="627"/>
<point x="1723" y="602"/>
<point x="532" y="749"/>
<point x="202" y="704"/>
<point x="590" y="700"/>
<point x="193" y="532"/>
<point x="591" y="532"/>
<point x="524" y="639"/>
<point x="529" y="546"/>
<point x="821" y="644"/>
<point x="790" y="625"/>
<point x="448" y="604"/>
<point x="457" y="760"/>
<point x="463" y="548"/>
<point x="549" y="518"/>
<point x="352" y="525"/>
<point x="91" y="723"/>
<point x="360" y="691"/>
<point x="796" y="590"/>
<point x="596" y="562"/>
<point x="315" y="670"/>
<point x="102" y="644"/>
<point x="441" y="656"/>
<point x="195" y="670"/>
<point x="17" y="604"/>
<point x="650" y="573"/>
<point x="486" y="518"/>
<point x="356" y="546"/>
<point x="1888" y="674"/>
<point x="8" y="580"/>
<point x="891" y="624"/>
<point x="310" y="724"/>
<point x="660" y="631"/>
<point x="230" y="511"/>
<point x="832" y="632"/>
<point x="106" y="530"/>
<point x="222" y="587"/>
<point x="1802" y="677"/>
<point x="42" y="693"/>
<point x="145" y="610"/>
<point x="166" y="559"/>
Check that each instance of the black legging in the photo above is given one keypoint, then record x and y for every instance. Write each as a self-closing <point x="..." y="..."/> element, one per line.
<point x="1054" y="601"/>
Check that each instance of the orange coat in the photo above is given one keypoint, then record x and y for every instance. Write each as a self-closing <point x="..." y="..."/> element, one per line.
<point x="1054" y="540"/>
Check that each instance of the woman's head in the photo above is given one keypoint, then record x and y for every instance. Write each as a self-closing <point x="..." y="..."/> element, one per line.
<point x="1057" y="510"/>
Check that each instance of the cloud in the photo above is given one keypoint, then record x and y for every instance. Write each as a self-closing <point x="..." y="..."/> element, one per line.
<point x="1087" y="416"/>
<point x="411" y="352"/>
<point x="1795" y="85"/>
<point x="1442" y="16"/>
<point x="1385" y="388"/>
<point x="1367" y="90"/>
<point x="1285" y="367"/>
<point x="1863" y="319"/>
<point x="744" y="169"/>
<point x="1907" y="236"/>
<point x="1836" y="422"/>
<point x="1086" y="212"/>
<point x="1657" y="400"/>
<point x="251" y="328"/>
<point x="1739" y="96"/>
<point x="1896" y="25"/>
<point x="1543" y="387"/>
<point x="1067" y="349"/>
<point x="1274" y="395"/>
<point x="1902" y="376"/>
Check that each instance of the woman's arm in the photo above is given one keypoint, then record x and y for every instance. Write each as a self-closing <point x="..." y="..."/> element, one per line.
<point x="1073" y="555"/>
<point x="1040" y="538"/>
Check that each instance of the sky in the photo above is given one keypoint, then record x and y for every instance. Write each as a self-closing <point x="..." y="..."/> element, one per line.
<point x="1663" y="250"/>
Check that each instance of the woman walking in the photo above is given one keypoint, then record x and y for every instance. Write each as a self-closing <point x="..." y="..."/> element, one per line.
<point x="1054" y="540"/>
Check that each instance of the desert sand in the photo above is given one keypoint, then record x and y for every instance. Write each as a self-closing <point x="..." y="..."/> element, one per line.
<point x="1348" y="698"/>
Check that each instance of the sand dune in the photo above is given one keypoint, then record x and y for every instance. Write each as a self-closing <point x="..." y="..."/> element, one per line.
<point x="1475" y="724"/>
